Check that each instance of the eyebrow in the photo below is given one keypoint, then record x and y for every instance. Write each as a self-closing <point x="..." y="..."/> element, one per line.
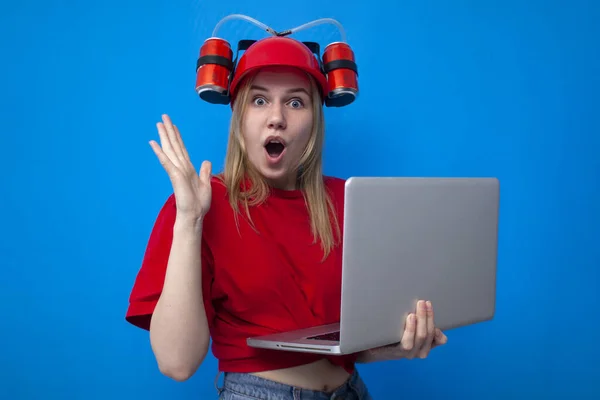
<point x="294" y="90"/>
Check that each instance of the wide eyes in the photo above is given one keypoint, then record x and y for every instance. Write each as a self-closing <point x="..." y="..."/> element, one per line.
<point x="259" y="101"/>
<point x="294" y="103"/>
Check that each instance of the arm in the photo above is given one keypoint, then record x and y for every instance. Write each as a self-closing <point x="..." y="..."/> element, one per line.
<point x="168" y="297"/>
<point x="179" y="332"/>
<point x="380" y="354"/>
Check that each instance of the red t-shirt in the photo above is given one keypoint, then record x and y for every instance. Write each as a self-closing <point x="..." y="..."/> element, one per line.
<point x="255" y="282"/>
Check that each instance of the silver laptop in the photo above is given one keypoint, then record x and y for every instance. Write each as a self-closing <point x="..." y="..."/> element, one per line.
<point x="407" y="239"/>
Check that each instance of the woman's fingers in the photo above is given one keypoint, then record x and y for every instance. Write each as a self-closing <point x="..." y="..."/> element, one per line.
<point x="165" y="161"/>
<point x="205" y="173"/>
<point x="421" y="334"/>
<point x="181" y="144"/>
<point x="430" y="331"/>
<point x="175" y="142"/>
<point x="166" y="144"/>
<point x="439" y="338"/>
<point x="408" y="337"/>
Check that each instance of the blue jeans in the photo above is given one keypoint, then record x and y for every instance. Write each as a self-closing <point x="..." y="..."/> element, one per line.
<point x="237" y="386"/>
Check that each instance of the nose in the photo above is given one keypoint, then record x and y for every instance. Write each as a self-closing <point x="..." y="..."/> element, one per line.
<point x="277" y="117"/>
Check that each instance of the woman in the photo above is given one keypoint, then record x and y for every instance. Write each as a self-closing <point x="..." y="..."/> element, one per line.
<point x="256" y="249"/>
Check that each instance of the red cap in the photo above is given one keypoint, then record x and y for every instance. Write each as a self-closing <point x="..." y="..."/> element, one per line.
<point x="278" y="51"/>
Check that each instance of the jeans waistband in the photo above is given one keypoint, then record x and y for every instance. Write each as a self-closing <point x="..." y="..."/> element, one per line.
<point x="264" y="389"/>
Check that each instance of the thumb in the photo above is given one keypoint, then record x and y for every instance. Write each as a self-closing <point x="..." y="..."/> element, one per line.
<point x="205" y="171"/>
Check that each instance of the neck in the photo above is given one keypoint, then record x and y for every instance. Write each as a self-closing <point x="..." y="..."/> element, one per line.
<point x="290" y="182"/>
<point x="285" y="184"/>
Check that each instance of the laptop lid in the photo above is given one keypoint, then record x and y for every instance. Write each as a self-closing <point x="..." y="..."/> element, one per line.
<point x="407" y="239"/>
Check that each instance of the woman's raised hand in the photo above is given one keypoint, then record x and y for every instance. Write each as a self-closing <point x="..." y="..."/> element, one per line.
<point x="192" y="190"/>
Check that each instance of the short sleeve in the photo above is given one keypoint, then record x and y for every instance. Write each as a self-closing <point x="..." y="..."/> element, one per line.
<point x="149" y="281"/>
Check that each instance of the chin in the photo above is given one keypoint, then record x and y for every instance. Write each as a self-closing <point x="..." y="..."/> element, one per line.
<point x="278" y="178"/>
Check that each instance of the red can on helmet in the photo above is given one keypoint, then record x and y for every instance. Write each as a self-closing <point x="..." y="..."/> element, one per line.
<point x="218" y="76"/>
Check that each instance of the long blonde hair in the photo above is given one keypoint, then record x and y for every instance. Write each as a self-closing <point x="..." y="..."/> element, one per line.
<point x="238" y="169"/>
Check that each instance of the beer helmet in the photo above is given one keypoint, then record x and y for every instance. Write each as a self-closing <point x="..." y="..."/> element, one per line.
<point x="218" y="73"/>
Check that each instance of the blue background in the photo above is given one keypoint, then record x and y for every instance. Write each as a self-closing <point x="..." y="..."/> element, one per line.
<point x="458" y="88"/>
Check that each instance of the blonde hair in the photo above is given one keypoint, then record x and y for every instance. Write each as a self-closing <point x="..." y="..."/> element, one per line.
<point x="239" y="170"/>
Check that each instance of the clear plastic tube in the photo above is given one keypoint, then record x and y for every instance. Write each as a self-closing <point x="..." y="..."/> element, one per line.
<point x="319" y="22"/>
<point x="243" y="17"/>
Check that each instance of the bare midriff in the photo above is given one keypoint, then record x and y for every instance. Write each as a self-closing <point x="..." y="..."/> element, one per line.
<point x="320" y="375"/>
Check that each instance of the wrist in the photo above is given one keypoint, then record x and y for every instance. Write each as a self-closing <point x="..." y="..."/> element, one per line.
<point x="385" y="353"/>
<point x="365" y="357"/>
<point x="188" y="224"/>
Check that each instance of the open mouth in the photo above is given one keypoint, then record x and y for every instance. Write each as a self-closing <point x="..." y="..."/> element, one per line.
<point x="274" y="148"/>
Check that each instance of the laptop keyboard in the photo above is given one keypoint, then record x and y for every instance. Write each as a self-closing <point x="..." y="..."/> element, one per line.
<point x="333" y="336"/>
